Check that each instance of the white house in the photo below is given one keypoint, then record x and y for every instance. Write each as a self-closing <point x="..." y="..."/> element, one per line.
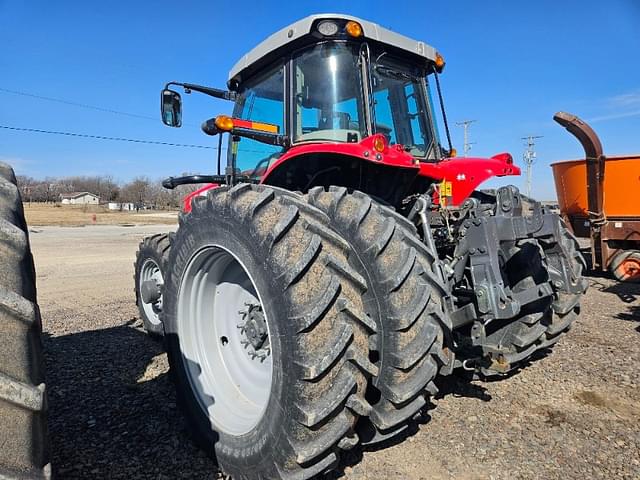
<point x="79" y="198"/>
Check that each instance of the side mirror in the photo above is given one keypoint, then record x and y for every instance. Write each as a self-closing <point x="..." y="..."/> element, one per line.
<point x="171" y="108"/>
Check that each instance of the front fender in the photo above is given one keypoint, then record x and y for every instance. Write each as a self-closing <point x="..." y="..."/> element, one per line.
<point x="201" y="192"/>
<point x="465" y="174"/>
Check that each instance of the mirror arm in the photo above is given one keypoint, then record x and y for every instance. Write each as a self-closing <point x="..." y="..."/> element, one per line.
<point x="212" y="92"/>
<point x="173" y="182"/>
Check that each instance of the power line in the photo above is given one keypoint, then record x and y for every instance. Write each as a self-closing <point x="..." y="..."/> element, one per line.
<point x="76" y="104"/>
<point x="122" y="139"/>
<point x="102" y="137"/>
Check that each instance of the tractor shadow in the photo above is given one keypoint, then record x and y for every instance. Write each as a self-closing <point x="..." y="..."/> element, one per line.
<point x="458" y="384"/>
<point x="112" y="408"/>
<point x="627" y="293"/>
<point x="631" y="315"/>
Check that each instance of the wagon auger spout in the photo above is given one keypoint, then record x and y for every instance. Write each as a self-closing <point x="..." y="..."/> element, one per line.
<point x="608" y="217"/>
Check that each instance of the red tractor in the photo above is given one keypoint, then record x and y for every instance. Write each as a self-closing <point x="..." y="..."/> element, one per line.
<point x="317" y="286"/>
<point x="343" y="258"/>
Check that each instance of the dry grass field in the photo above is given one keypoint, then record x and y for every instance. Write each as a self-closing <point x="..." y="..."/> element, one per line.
<point x="47" y="214"/>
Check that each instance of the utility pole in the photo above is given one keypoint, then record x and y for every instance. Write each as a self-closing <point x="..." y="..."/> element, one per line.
<point x="529" y="158"/>
<point x="465" y="124"/>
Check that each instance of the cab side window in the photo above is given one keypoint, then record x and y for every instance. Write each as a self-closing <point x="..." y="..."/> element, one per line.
<point x="262" y="100"/>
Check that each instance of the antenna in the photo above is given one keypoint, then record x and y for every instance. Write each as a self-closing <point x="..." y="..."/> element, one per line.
<point x="465" y="124"/>
<point x="529" y="158"/>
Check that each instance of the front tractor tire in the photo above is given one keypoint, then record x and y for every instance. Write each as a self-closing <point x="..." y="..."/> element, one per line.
<point x="24" y="450"/>
<point x="266" y="333"/>
<point x="405" y="299"/>
<point x="149" y="268"/>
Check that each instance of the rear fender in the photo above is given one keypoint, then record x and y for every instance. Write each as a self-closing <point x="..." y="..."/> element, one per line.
<point x="386" y="173"/>
<point x="390" y="155"/>
<point x="463" y="175"/>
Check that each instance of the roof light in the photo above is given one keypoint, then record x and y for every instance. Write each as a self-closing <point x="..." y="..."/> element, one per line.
<point x="439" y="62"/>
<point x="327" y="28"/>
<point x="354" y="29"/>
<point x="224" y="123"/>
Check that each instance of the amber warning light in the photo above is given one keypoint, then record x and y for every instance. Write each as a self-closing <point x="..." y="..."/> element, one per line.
<point x="226" y="124"/>
<point x="354" y="29"/>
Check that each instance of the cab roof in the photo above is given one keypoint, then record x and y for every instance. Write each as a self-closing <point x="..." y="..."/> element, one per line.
<point x="292" y="34"/>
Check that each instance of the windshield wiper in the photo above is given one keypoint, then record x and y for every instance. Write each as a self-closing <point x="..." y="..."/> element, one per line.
<point x="395" y="74"/>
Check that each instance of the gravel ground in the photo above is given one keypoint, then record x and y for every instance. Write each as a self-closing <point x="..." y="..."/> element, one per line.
<point x="573" y="414"/>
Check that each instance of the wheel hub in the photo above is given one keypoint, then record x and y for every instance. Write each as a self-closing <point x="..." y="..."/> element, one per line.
<point x="150" y="287"/>
<point x="631" y="268"/>
<point x="254" y="329"/>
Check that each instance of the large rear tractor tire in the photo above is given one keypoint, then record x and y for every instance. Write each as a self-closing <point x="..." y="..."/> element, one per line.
<point x="537" y="264"/>
<point x="563" y="256"/>
<point x="266" y="333"/>
<point x="514" y="340"/>
<point x="151" y="263"/>
<point x="24" y="451"/>
<point x="404" y="298"/>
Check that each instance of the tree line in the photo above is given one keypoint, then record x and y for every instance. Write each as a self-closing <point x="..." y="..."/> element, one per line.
<point x="140" y="190"/>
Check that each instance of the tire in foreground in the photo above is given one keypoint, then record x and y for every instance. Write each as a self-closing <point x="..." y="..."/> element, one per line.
<point x="24" y="451"/>
<point x="266" y="333"/>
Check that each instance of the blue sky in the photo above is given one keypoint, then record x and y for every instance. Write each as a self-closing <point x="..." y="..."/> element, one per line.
<point x="510" y="66"/>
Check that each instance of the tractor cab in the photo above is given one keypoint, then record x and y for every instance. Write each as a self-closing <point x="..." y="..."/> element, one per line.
<point x="344" y="85"/>
<point x="341" y="82"/>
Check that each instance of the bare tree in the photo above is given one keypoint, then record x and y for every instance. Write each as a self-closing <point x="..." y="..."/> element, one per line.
<point x="137" y="191"/>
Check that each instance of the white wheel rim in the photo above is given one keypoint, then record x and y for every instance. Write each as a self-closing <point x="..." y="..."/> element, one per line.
<point x="151" y="271"/>
<point x="231" y="387"/>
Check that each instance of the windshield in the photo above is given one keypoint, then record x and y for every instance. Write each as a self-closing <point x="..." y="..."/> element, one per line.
<point x="328" y="94"/>
<point x="402" y="112"/>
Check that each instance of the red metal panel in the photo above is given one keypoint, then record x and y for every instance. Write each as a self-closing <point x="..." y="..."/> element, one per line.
<point x="393" y="155"/>
<point x="186" y="206"/>
<point x="466" y="174"/>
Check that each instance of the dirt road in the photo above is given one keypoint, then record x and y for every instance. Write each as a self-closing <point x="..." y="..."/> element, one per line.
<point x="572" y="415"/>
